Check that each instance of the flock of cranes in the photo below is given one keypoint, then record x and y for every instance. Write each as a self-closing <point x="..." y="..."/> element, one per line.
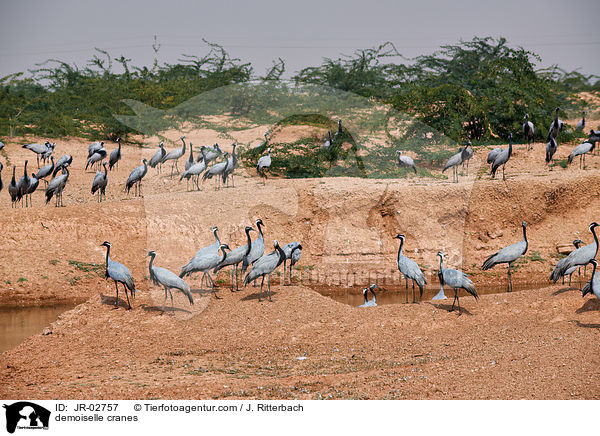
<point x="456" y="279"/>
<point x="499" y="157"/>
<point x="223" y="172"/>
<point x="251" y="257"/>
<point x="58" y="171"/>
<point x="213" y="258"/>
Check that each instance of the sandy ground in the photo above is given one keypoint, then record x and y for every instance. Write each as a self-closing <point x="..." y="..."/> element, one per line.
<point x="535" y="344"/>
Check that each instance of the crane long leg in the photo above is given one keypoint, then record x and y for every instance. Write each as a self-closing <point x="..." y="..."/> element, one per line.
<point x="413" y="289"/>
<point x="261" y="286"/>
<point x="509" y="284"/>
<point x="290" y="269"/>
<point x="406" y="281"/>
<point x="270" y="299"/>
<point x="454" y="302"/>
<point x="117" y="297"/>
<point x="127" y="295"/>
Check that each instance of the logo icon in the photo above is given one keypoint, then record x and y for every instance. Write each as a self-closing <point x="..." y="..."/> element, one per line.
<point x="26" y="415"/>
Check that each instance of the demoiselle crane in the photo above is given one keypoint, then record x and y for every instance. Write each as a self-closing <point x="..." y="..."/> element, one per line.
<point x="265" y="267"/>
<point x="508" y="255"/>
<point x="410" y="270"/>
<point x="119" y="274"/>
<point x="168" y="280"/>
<point x="455" y="279"/>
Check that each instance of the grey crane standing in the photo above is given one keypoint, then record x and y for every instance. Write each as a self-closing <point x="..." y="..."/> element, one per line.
<point x="581" y="150"/>
<point x="57" y="186"/>
<point x="581" y="124"/>
<point x="99" y="183"/>
<point x="593" y="285"/>
<point x="455" y="279"/>
<point x="190" y="161"/>
<point x="258" y="248"/>
<point x="263" y="164"/>
<point x="119" y="274"/>
<point x="454" y="161"/>
<point x="38" y="149"/>
<point x="96" y="158"/>
<point x="528" y="131"/>
<point x="265" y="267"/>
<point x="556" y="126"/>
<point x="12" y="189"/>
<point x="468" y="154"/>
<point x="135" y="178"/>
<point x="33" y="185"/>
<point x="168" y="280"/>
<point x="204" y="263"/>
<point x="194" y="173"/>
<point x="577" y="243"/>
<point x="410" y="270"/>
<point x="203" y="252"/>
<point x="372" y="302"/>
<point x="235" y="257"/>
<point x="551" y="148"/>
<point x="502" y="158"/>
<point x="45" y="171"/>
<point x="64" y="161"/>
<point x="405" y="161"/>
<point x="508" y="255"/>
<point x="174" y="155"/>
<point x="217" y="171"/>
<point x="292" y="251"/>
<point x="579" y="257"/>
<point x="231" y="166"/>
<point x="23" y="185"/>
<point x="157" y="160"/>
<point x="115" y="156"/>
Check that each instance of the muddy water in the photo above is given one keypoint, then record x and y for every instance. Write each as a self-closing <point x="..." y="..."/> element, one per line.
<point x="397" y="294"/>
<point x="17" y="324"/>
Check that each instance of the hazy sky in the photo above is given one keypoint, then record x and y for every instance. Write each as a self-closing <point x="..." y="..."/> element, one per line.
<point x="566" y="33"/>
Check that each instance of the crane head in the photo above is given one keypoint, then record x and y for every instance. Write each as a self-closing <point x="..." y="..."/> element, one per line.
<point x="224" y="247"/>
<point x="577" y="243"/>
<point x="276" y="244"/>
<point x="373" y="286"/>
<point x="524" y="224"/>
<point x="259" y="221"/>
<point x="593" y="226"/>
<point x="365" y="290"/>
<point x="151" y="253"/>
<point x="249" y="229"/>
<point x="105" y="244"/>
<point x="119" y="139"/>
<point x="557" y="109"/>
<point x="440" y="254"/>
<point x="400" y="236"/>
